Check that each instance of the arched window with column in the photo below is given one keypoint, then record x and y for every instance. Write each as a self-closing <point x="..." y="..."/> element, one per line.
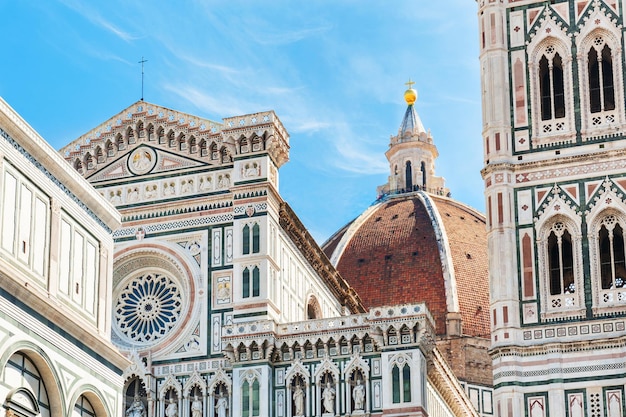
<point x="559" y="246"/>
<point x="600" y="73"/>
<point x="551" y="85"/>
<point x="550" y="72"/>
<point x="561" y="260"/>
<point x="601" y="78"/>
<point x="608" y="250"/>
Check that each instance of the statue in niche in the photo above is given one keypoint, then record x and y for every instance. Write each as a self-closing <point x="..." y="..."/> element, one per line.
<point x="358" y="395"/>
<point x="328" y="398"/>
<point x="172" y="409"/>
<point x="136" y="409"/>
<point x="196" y="407"/>
<point x="221" y="406"/>
<point x="298" y="400"/>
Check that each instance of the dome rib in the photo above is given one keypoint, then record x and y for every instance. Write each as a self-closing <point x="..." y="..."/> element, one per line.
<point x="419" y="247"/>
<point x="350" y="230"/>
<point x="447" y="265"/>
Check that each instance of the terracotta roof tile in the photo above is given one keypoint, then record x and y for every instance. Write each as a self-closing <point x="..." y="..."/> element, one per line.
<point x="393" y="258"/>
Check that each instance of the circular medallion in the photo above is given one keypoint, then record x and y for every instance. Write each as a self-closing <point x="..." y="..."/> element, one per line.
<point x="148" y="308"/>
<point x="142" y="160"/>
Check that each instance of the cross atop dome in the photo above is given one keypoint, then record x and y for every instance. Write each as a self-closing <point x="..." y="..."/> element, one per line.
<point x="412" y="155"/>
<point x="411" y="123"/>
<point x="410" y="95"/>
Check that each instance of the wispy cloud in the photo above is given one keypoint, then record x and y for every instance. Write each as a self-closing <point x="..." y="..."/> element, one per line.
<point x="221" y="106"/>
<point x="200" y="63"/>
<point x="302" y="125"/>
<point x="286" y="36"/>
<point x="97" y="19"/>
<point x="353" y="155"/>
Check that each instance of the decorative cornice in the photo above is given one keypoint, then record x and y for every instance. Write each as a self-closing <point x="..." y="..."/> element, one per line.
<point x="307" y="246"/>
<point x="382" y="326"/>
<point x="581" y="161"/>
<point x="559" y="348"/>
<point x="447" y="385"/>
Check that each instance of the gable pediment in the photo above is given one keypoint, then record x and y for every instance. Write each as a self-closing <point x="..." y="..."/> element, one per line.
<point x="146" y="139"/>
<point x="144" y="160"/>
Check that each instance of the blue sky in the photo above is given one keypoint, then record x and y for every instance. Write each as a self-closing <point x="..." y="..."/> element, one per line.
<point x="333" y="71"/>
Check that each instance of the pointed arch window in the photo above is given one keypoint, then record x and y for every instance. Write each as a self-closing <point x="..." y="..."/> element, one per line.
<point x="256" y="232"/>
<point x="401" y="383"/>
<point x="601" y="85"/>
<point x="250" y="404"/>
<point x="560" y="260"/>
<point x="246" y="240"/>
<point x="551" y="85"/>
<point x="255" y="283"/>
<point x="251" y="240"/>
<point x="612" y="254"/>
<point x="161" y="135"/>
<point x="246" y="283"/>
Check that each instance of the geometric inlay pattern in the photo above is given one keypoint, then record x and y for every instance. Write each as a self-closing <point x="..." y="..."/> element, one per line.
<point x="148" y="308"/>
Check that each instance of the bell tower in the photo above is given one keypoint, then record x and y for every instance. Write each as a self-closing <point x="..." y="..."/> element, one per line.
<point x="554" y="146"/>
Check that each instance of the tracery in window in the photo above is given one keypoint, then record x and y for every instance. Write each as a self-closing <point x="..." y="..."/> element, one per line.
<point x="612" y="257"/>
<point x="551" y="85"/>
<point x="148" y="308"/>
<point x="561" y="260"/>
<point x="601" y="85"/>
<point x="32" y="396"/>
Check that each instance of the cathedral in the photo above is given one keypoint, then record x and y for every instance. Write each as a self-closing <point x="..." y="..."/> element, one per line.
<point x="226" y="306"/>
<point x="151" y="268"/>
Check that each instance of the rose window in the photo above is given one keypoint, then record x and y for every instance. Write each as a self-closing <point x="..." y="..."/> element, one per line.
<point x="148" y="308"/>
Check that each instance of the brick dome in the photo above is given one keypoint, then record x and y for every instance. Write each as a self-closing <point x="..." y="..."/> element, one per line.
<point x="418" y="247"/>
